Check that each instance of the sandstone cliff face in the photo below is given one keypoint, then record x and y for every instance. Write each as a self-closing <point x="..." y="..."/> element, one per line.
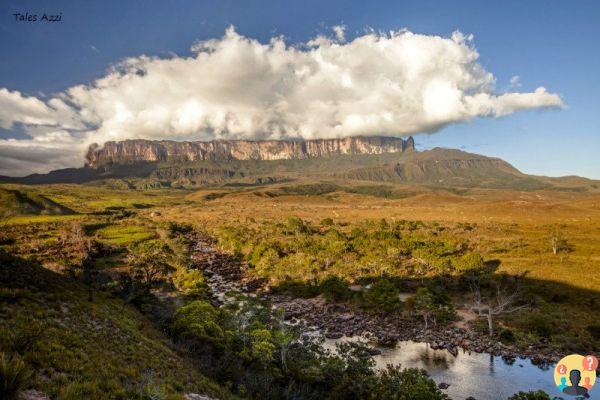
<point x="131" y="151"/>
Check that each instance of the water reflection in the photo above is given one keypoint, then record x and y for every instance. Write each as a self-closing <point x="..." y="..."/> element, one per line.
<point x="482" y="376"/>
<point x="431" y="358"/>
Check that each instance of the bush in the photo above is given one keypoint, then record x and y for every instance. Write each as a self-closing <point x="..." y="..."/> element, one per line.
<point x="335" y="289"/>
<point x="15" y="376"/>
<point x="327" y="222"/>
<point x="540" y="324"/>
<point x="538" y="395"/>
<point x="295" y="225"/>
<point x="191" y="282"/>
<point x="383" y="295"/>
<point x="198" y="320"/>
<point x="507" y="336"/>
<point x="408" y="384"/>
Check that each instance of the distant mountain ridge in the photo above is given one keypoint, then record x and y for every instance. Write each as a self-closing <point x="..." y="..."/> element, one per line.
<point x="144" y="164"/>
<point x="141" y="150"/>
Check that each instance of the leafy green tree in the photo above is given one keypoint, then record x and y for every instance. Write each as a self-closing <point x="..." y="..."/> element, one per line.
<point x="262" y="347"/>
<point x="150" y="261"/>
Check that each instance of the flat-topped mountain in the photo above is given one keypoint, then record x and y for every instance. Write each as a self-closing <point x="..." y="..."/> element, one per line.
<point x="142" y="164"/>
<point x="140" y="150"/>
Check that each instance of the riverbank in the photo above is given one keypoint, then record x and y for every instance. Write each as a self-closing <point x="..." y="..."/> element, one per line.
<point x="225" y="273"/>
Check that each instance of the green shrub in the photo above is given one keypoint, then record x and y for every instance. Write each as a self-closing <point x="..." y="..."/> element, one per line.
<point x="335" y="289"/>
<point x="507" y="336"/>
<point x="15" y="376"/>
<point x="407" y="384"/>
<point x="383" y="295"/>
<point x="538" y="395"/>
<point x="295" y="225"/>
<point x="327" y="222"/>
<point x="540" y="324"/>
<point x="198" y="320"/>
<point x="92" y="390"/>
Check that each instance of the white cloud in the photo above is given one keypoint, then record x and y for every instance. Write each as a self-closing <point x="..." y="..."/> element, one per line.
<point x="515" y="81"/>
<point x="340" y="33"/>
<point x="398" y="83"/>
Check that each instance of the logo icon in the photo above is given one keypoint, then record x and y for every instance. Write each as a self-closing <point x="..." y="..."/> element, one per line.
<point x="575" y="374"/>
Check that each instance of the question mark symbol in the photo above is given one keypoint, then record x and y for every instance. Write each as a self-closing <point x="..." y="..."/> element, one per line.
<point x="562" y="369"/>
<point x="590" y="363"/>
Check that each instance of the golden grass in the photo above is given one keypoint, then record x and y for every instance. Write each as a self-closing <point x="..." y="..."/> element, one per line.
<point x="502" y="217"/>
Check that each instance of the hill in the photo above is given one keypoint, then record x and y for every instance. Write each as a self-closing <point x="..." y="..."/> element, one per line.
<point x="15" y="202"/>
<point x="100" y="349"/>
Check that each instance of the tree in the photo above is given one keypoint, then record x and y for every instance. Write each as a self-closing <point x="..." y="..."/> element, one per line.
<point x="424" y="304"/>
<point x="558" y="242"/>
<point x="499" y="300"/>
<point x="150" y="260"/>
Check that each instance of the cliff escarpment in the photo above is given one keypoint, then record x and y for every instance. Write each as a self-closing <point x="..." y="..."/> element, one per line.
<point x="140" y="150"/>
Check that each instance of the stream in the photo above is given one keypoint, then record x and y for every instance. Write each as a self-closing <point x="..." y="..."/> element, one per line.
<point x="479" y="375"/>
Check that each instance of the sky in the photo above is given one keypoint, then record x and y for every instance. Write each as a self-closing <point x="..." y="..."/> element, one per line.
<point x="515" y="80"/>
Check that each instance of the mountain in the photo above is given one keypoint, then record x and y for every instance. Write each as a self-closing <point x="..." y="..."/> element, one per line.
<point x="142" y="164"/>
<point x="139" y="150"/>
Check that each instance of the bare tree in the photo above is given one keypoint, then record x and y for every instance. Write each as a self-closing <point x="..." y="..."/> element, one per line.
<point x="500" y="300"/>
<point x="558" y="242"/>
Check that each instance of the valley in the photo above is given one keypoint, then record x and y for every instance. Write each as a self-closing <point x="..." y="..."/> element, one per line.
<point x="393" y="261"/>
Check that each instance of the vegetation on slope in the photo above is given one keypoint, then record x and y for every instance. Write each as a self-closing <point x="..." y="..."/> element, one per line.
<point x="100" y="349"/>
<point x="15" y="202"/>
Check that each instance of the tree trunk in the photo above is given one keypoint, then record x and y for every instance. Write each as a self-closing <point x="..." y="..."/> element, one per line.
<point x="490" y="323"/>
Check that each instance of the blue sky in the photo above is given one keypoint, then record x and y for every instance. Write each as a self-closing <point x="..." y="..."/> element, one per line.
<point x="551" y="44"/>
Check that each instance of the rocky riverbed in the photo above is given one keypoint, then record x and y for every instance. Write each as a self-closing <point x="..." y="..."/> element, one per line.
<point x="225" y="273"/>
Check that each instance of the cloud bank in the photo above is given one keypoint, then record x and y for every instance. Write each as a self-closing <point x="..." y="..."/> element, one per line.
<point x="395" y="83"/>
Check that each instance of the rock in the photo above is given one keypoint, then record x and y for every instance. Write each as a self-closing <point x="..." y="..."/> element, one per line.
<point x="333" y="335"/>
<point x="443" y="385"/>
<point x="33" y="395"/>
<point x="373" y="351"/>
<point x="470" y="398"/>
<point x="195" y="396"/>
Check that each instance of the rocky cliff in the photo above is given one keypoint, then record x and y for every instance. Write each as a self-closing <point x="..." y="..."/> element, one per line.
<point x="132" y="151"/>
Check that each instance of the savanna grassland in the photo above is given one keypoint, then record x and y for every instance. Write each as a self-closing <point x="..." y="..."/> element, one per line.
<point x="514" y="229"/>
<point x="76" y="280"/>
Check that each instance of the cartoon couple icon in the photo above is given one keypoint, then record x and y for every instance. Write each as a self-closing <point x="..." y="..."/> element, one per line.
<point x="575" y="389"/>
